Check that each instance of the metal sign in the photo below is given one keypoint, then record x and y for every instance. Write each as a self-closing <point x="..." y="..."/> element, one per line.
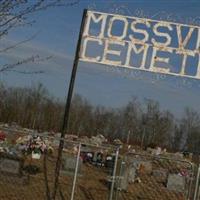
<point x="143" y="44"/>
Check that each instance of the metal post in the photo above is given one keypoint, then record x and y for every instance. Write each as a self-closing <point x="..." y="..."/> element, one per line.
<point x="67" y="106"/>
<point x="128" y="137"/>
<point x="76" y="172"/>
<point x="114" y="174"/>
<point x="120" y="178"/>
<point x="198" y="195"/>
<point x="143" y="136"/>
<point x="197" y="183"/>
<point x="191" y="181"/>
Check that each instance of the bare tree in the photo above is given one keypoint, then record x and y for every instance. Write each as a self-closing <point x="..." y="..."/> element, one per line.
<point x="18" y="13"/>
<point x="131" y="119"/>
<point x="190" y="125"/>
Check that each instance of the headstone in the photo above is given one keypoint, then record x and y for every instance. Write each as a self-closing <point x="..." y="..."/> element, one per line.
<point x="124" y="175"/>
<point x="128" y="174"/>
<point x="132" y="174"/>
<point x="176" y="183"/>
<point x="121" y="182"/>
<point x="11" y="164"/>
<point x="69" y="165"/>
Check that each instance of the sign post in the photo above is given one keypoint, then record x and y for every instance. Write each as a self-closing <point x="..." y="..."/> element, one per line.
<point x="67" y="107"/>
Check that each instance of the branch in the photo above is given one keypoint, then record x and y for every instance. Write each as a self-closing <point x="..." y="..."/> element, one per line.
<point x="26" y="72"/>
<point x="7" y="67"/>
<point x="10" y="17"/>
<point x="19" y="43"/>
<point x="36" y="58"/>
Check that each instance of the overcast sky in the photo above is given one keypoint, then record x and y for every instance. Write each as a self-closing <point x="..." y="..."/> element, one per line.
<point x="57" y="34"/>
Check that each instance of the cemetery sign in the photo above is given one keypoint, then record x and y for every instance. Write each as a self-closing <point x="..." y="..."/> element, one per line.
<point x="140" y="43"/>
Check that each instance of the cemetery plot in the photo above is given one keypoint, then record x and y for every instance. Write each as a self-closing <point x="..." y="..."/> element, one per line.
<point x="138" y="176"/>
<point x="92" y="167"/>
<point x="15" y="187"/>
<point x="155" y="177"/>
<point x="36" y="187"/>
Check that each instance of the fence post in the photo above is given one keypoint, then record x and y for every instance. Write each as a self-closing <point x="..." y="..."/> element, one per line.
<point x="191" y="183"/>
<point x="114" y="174"/>
<point x="76" y="171"/>
<point x="197" y="184"/>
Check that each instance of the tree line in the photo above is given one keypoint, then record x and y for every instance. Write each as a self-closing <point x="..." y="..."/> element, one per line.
<point x="142" y="123"/>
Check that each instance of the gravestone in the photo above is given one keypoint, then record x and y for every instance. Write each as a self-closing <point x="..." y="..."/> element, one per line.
<point x="10" y="164"/>
<point x="11" y="169"/>
<point x="69" y="165"/>
<point x="176" y="183"/>
<point x="132" y="174"/>
<point x="122" y="183"/>
<point x="128" y="174"/>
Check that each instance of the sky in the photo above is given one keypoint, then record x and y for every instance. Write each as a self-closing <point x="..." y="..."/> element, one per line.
<point x="57" y="31"/>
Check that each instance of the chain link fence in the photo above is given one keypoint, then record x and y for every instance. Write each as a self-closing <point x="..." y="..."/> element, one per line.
<point x="90" y="172"/>
<point x="28" y="170"/>
<point x="143" y="176"/>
